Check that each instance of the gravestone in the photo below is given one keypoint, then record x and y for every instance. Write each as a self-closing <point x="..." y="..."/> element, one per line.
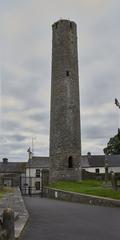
<point x="106" y="173"/>
<point x="114" y="181"/>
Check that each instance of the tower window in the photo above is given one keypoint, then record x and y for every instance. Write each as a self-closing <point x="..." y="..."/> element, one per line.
<point x="67" y="73"/>
<point x="71" y="25"/>
<point x="56" y="25"/>
<point x="70" y="162"/>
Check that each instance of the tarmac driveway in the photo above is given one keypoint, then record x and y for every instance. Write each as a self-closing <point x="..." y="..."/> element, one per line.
<point x="58" y="220"/>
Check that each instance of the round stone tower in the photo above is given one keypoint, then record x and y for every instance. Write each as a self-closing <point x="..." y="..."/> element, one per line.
<point x="65" y="135"/>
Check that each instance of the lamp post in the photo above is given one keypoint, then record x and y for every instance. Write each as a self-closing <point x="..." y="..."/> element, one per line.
<point x="29" y="161"/>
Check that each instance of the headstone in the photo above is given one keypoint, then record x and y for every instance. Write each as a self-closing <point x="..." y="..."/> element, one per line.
<point x="114" y="181"/>
<point x="106" y="173"/>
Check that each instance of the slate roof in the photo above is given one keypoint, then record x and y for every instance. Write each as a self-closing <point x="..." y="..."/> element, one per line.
<point x="43" y="162"/>
<point x="12" y="167"/>
<point x="93" y="161"/>
<point x="96" y="160"/>
<point x="99" y="161"/>
<point x="39" y="162"/>
<point x="84" y="161"/>
<point x="113" y="160"/>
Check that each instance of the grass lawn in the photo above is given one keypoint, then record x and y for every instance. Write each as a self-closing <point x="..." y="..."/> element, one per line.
<point x="92" y="187"/>
<point x="4" y="190"/>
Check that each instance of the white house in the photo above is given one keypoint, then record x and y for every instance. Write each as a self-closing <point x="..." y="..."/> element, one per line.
<point x="37" y="170"/>
<point x="35" y="176"/>
<point x="97" y="163"/>
<point x="113" y="162"/>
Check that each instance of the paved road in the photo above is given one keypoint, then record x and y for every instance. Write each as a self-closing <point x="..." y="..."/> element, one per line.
<point x="57" y="220"/>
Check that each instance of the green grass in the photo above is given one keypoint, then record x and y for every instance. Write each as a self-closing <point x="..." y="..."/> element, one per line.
<point x="4" y="190"/>
<point x="92" y="187"/>
<point x="1" y="194"/>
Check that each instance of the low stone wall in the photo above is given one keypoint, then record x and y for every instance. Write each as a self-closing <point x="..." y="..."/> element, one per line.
<point x="79" y="197"/>
<point x="90" y="175"/>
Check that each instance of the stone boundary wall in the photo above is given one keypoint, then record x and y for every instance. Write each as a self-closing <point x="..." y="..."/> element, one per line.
<point x="80" y="198"/>
<point x="90" y="175"/>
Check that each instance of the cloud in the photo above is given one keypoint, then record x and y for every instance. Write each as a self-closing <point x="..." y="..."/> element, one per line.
<point x="25" y="46"/>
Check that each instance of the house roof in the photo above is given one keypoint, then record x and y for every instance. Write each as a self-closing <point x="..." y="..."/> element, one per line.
<point x="113" y="160"/>
<point x="12" y="167"/>
<point x="96" y="160"/>
<point x="100" y="160"/>
<point x="43" y="162"/>
<point x="93" y="161"/>
<point x="38" y="162"/>
<point x="84" y="161"/>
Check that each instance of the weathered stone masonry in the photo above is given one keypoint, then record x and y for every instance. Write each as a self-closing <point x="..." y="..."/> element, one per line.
<point x="65" y="141"/>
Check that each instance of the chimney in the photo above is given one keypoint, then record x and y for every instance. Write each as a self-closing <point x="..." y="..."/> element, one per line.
<point x="5" y="160"/>
<point x="89" y="153"/>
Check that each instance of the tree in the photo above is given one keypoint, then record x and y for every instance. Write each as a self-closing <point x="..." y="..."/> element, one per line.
<point x="113" y="146"/>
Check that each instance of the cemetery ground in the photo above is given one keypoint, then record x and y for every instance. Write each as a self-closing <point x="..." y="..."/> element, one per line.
<point x="91" y="187"/>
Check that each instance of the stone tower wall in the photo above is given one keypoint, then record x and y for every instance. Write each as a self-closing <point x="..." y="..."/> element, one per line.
<point x="65" y="139"/>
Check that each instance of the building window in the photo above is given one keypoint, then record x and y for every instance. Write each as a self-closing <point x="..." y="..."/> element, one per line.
<point x="70" y="162"/>
<point x="37" y="185"/>
<point x="37" y="172"/>
<point x="67" y="73"/>
<point x="97" y="170"/>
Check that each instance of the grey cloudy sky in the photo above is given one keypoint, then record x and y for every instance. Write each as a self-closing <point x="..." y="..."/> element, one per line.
<point x="25" y="72"/>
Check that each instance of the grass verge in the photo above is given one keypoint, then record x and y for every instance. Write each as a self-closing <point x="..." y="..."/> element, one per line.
<point x="91" y="187"/>
<point x="4" y="190"/>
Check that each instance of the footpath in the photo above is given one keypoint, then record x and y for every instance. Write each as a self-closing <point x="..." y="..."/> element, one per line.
<point x="15" y="201"/>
